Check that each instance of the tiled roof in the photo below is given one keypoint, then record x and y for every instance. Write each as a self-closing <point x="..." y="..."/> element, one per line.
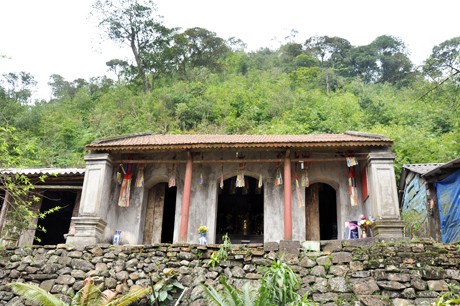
<point x="158" y="142"/>
<point x="422" y="168"/>
<point x="45" y="171"/>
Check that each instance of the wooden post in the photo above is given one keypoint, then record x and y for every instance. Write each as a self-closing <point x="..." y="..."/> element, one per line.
<point x="6" y="201"/>
<point x="287" y="197"/>
<point x="312" y="213"/>
<point x="186" y="199"/>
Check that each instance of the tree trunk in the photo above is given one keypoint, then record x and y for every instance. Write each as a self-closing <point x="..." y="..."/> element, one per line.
<point x="140" y="66"/>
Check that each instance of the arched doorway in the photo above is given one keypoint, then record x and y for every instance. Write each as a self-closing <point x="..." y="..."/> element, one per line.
<point x="321" y="212"/>
<point x="240" y="212"/>
<point x="159" y="216"/>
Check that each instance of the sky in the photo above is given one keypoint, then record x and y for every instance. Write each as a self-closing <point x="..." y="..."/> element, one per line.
<point x="58" y="37"/>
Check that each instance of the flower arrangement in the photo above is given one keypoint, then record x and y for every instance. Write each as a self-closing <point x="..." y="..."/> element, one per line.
<point x="203" y="229"/>
<point x="364" y="223"/>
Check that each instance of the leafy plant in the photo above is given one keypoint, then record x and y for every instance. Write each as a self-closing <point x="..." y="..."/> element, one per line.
<point x="450" y="298"/>
<point x="224" y="250"/>
<point x="90" y="294"/>
<point x="279" y="286"/>
<point x="247" y="296"/>
<point x="162" y="289"/>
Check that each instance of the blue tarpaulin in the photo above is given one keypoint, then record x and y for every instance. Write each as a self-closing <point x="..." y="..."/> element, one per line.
<point x="448" y="192"/>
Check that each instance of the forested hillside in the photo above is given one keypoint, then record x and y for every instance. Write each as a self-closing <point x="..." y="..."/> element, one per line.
<point x="192" y="81"/>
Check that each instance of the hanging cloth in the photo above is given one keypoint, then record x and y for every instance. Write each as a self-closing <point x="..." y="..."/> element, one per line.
<point x="140" y="176"/>
<point x="353" y="190"/>
<point x="352" y="161"/>
<point x="240" y="180"/>
<point x="123" y="199"/>
<point x="221" y="184"/>
<point x="300" y="201"/>
<point x="279" y="177"/>
<point x="172" y="177"/>
<point x="119" y="178"/>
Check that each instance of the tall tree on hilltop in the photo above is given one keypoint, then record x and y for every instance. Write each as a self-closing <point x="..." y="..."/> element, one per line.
<point x="132" y="22"/>
<point x="329" y="50"/>
<point x="444" y="60"/>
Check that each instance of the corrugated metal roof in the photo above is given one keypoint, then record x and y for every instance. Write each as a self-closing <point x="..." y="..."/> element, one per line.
<point x="155" y="142"/>
<point x="45" y="171"/>
<point x="442" y="169"/>
<point x="422" y="168"/>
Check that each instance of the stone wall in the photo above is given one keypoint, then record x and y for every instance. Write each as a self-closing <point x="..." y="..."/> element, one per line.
<point x="352" y="272"/>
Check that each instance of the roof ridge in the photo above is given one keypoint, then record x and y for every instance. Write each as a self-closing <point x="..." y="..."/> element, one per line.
<point x="120" y="137"/>
<point x="366" y="135"/>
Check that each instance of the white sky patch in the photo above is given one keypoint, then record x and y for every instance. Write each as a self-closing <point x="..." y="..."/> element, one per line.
<point x="57" y="36"/>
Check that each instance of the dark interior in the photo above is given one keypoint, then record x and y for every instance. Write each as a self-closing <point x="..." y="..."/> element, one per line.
<point x="56" y="224"/>
<point x="327" y="212"/>
<point x="169" y="210"/>
<point x="240" y="212"/>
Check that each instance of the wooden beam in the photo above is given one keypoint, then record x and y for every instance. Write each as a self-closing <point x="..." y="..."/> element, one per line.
<point x="58" y="187"/>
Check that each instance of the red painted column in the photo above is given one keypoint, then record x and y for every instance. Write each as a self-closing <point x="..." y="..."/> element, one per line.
<point x="287" y="197"/>
<point x="183" y="231"/>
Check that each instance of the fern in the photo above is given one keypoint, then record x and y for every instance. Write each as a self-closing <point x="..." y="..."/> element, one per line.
<point x="36" y="294"/>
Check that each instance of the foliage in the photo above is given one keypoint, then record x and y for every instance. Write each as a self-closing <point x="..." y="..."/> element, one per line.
<point x="222" y="254"/>
<point x="162" y="289"/>
<point x="279" y="286"/>
<point x="90" y="294"/>
<point x="450" y="298"/>
<point x="413" y="223"/>
<point x="203" y="229"/>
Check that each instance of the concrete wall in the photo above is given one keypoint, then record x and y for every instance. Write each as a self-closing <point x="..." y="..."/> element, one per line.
<point x="204" y="197"/>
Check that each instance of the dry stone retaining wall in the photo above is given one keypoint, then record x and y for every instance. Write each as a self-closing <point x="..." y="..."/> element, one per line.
<point x="353" y="272"/>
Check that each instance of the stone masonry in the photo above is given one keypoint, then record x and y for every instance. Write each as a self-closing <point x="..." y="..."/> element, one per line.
<point x="352" y="272"/>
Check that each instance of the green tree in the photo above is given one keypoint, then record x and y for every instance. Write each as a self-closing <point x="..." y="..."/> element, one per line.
<point x="444" y="60"/>
<point x="133" y="23"/>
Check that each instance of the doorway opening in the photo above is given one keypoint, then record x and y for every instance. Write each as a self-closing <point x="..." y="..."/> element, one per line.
<point x="321" y="212"/>
<point x="56" y="224"/>
<point x="240" y="212"/>
<point x="159" y="217"/>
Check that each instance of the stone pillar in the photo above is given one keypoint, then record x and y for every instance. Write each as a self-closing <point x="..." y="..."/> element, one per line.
<point x="287" y="197"/>
<point x="89" y="225"/>
<point x="183" y="231"/>
<point x="383" y="196"/>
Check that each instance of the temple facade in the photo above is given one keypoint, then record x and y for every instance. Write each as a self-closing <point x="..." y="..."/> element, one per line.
<point x="255" y="188"/>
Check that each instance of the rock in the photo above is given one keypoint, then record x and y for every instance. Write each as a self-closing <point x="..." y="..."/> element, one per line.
<point x="81" y="264"/>
<point x="318" y="271"/>
<point x="437" y="285"/>
<point x="75" y="254"/>
<point x="47" y="284"/>
<point x="365" y="286"/>
<point x="253" y="276"/>
<point x="237" y="272"/>
<point x="307" y="262"/>
<point x="361" y="274"/>
<point x="402" y="302"/>
<point x="398" y="277"/>
<point x="320" y="285"/>
<point x="196" y="293"/>
<point x="408" y="293"/>
<point x="390" y="285"/>
<point x="325" y="297"/>
<point x="418" y="284"/>
<point x="311" y="246"/>
<point x="122" y="275"/>
<point x="339" y="270"/>
<point x="356" y="266"/>
<point x="110" y="282"/>
<point x="324" y="261"/>
<point x="338" y="284"/>
<point x="65" y="280"/>
<point x="341" y="257"/>
<point x="271" y="246"/>
<point x="371" y="300"/>
<point x="289" y="247"/>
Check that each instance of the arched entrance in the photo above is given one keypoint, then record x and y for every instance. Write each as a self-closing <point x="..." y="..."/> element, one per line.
<point x="240" y="212"/>
<point x="159" y="216"/>
<point x="321" y="212"/>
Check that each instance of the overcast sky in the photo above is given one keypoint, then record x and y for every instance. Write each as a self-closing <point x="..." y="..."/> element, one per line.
<point x="56" y="36"/>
